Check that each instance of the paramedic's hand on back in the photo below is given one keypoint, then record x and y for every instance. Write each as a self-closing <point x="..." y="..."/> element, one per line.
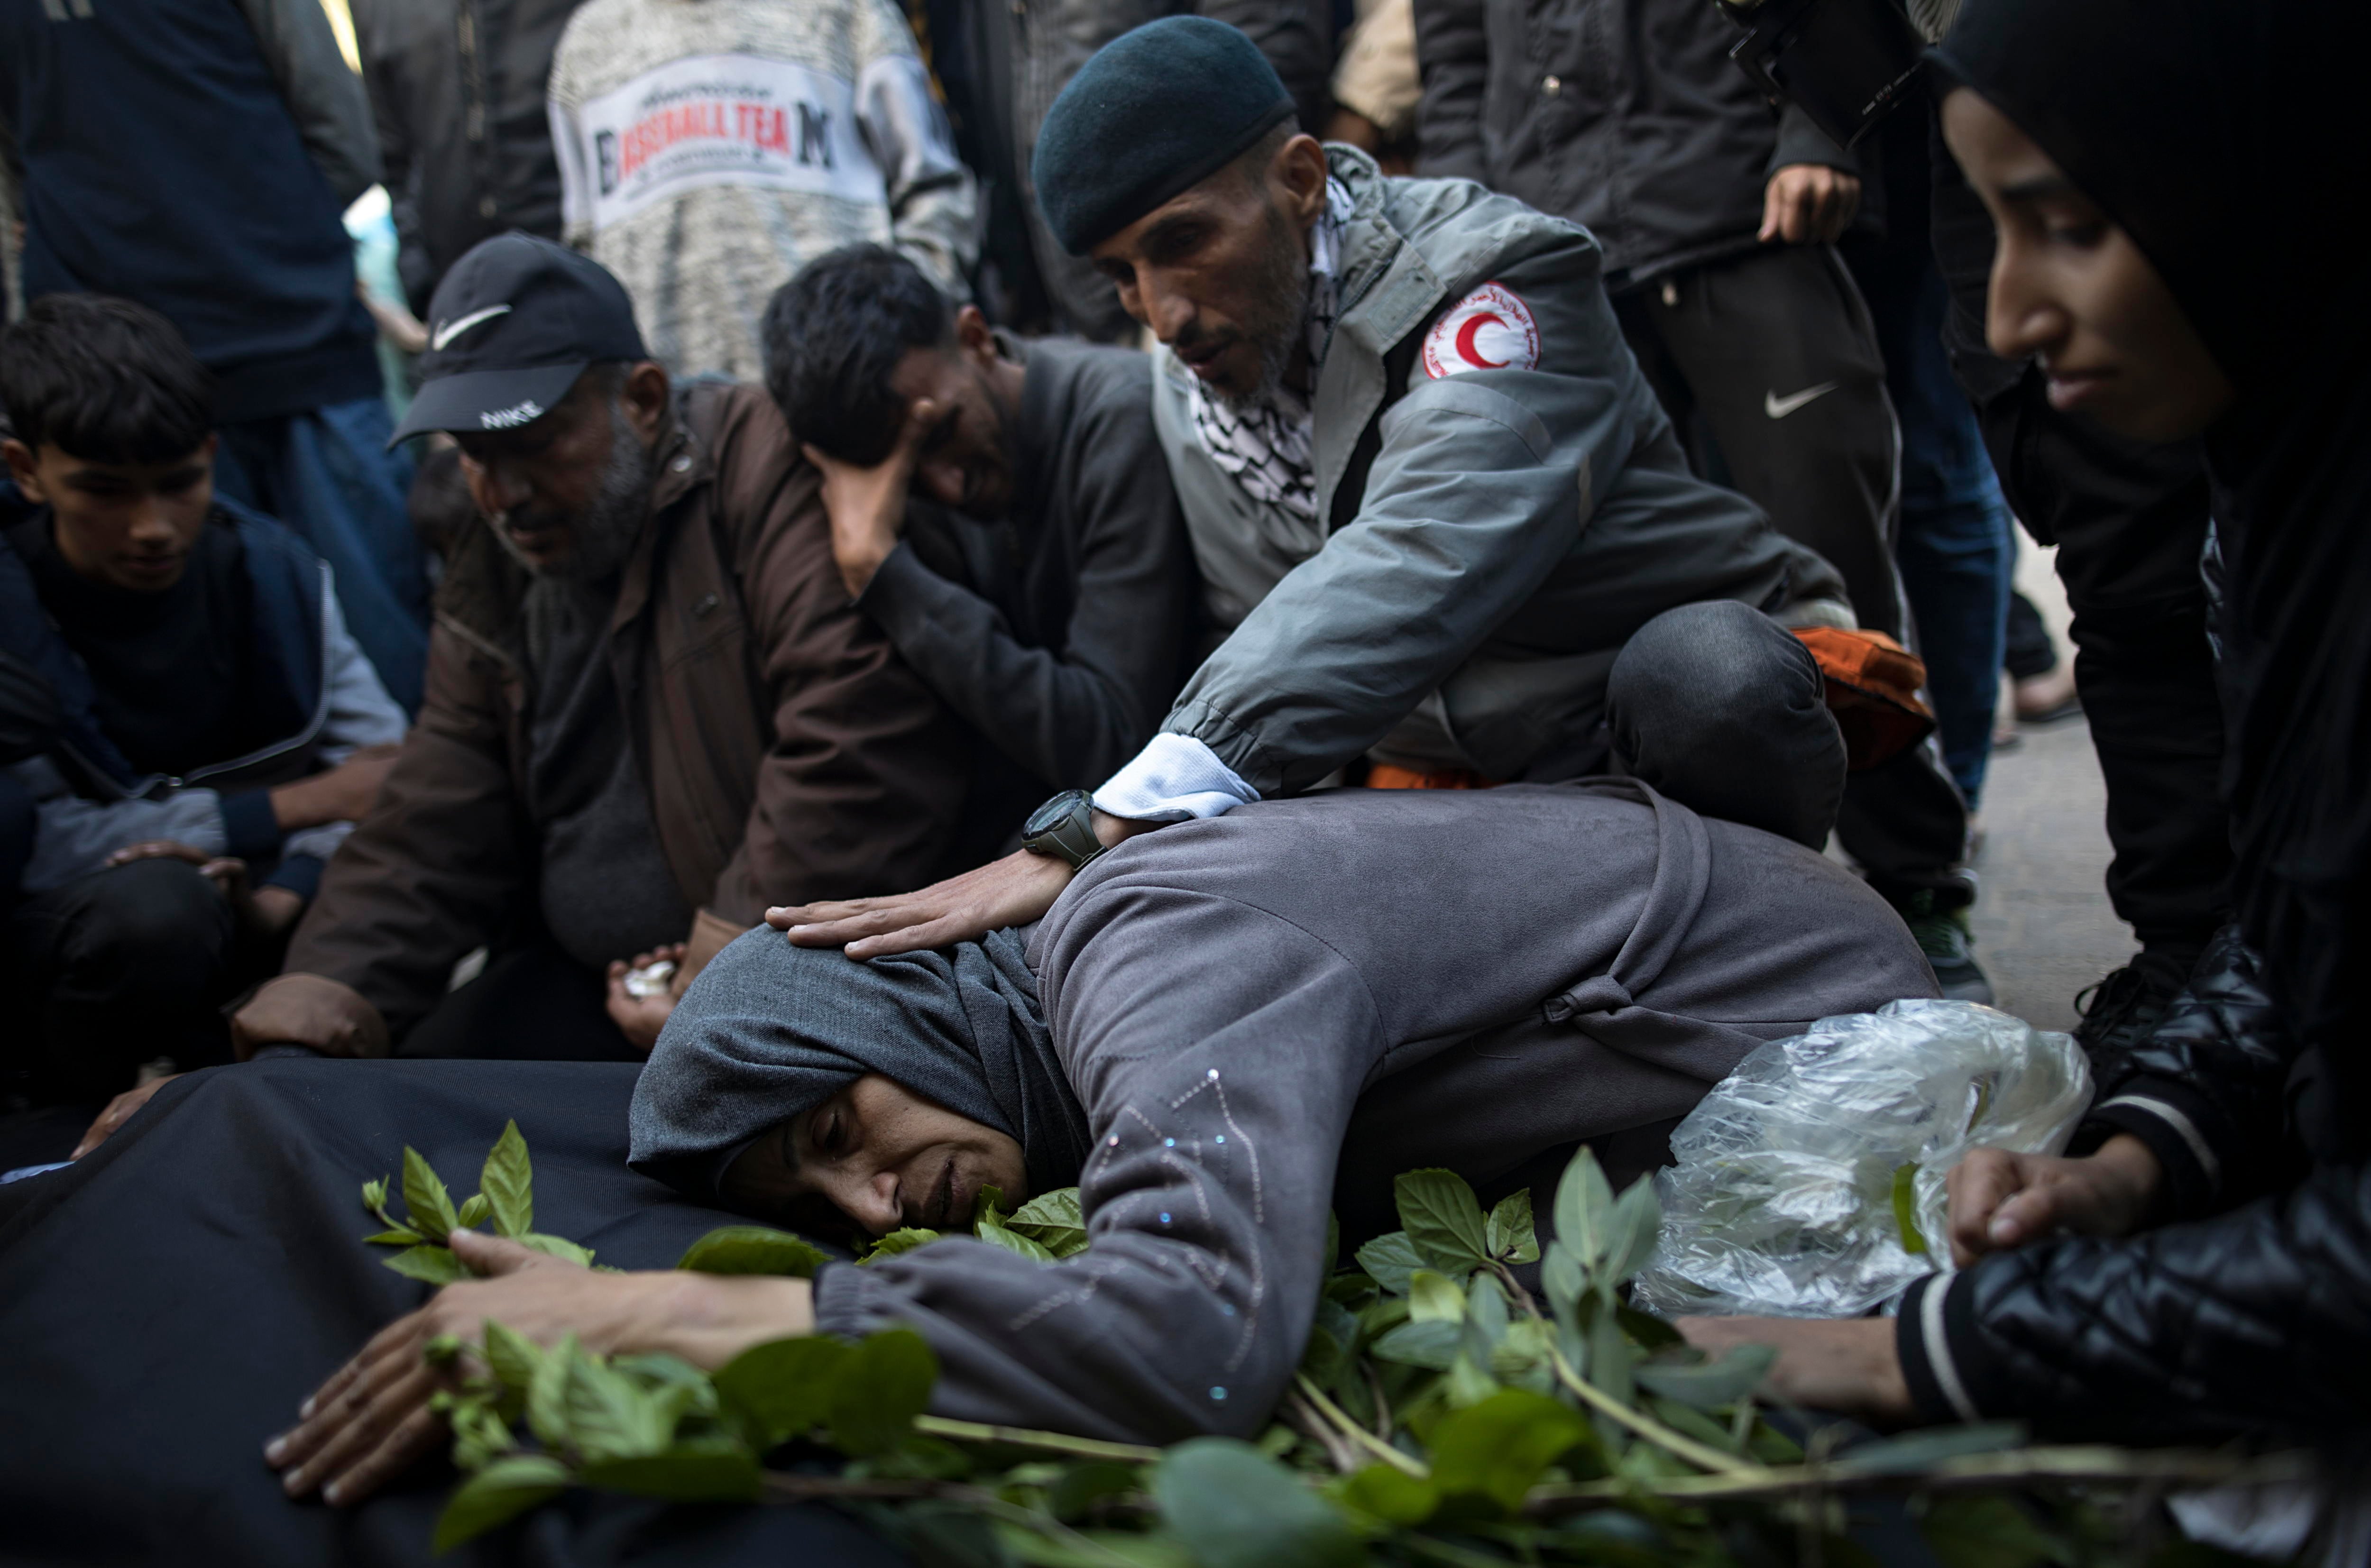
<point x="1012" y="892"/>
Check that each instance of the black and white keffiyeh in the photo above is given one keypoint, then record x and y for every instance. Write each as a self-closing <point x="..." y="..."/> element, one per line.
<point x="1266" y="446"/>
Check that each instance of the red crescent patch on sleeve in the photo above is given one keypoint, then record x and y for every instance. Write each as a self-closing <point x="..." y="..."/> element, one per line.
<point x="1490" y="328"/>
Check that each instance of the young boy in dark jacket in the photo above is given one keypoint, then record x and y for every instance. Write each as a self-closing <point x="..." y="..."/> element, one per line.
<point x="187" y="729"/>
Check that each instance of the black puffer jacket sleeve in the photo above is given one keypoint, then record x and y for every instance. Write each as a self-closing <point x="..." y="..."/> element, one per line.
<point x="2205" y="1090"/>
<point x="2251" y="1322"/>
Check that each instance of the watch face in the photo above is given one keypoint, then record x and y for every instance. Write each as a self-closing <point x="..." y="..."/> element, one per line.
<point x="1050" y="815"/>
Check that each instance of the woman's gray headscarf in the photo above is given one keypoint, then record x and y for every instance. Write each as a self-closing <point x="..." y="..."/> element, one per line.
<point x="770" y="1031"/>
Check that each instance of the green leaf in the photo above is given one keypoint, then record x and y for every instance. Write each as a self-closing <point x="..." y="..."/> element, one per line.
<point x="1390" y="1260"/>
<point x="1522" y="1356"/>
<point x="508" y="1183"/>
<point x="375" y="1199"/>
<point x="1392" y="1494"/>
<point x="1082" y="1485"/>
<point x="1431" y="1345"/>
<point x="437" y="1265"/>
<point x="990" y="1231"/>
<point x="1054" y="1220"/>
<point x="1565" y="1282"/>
<point x="609" y="1417"/>
<point x="1469" y="1382"/>
<point x="897" y="1241"/>
<point x="1584" y="1207"/>
<point x="1443" y="1219"/>
<point x="472" y="1211"/>
<point x="657" y="1369"/>
<point x="546" y="1394"/>
<point x="1609" y="1353"/>
<point x="1485" y="1322"/>
<point x="700" y="1470"/>
<point x="1093" y="1549"/>
<point x="1714" y="1384"/>
<point x="1905" y="1209"/>
<point x="1650" y="1332"/>
<point x="988" y="1206"/>
<point x="1332" y="1335"/>
<point x="1630" y="1235"/>
<point x="1689" y="1422"/>
<point x="430" y="1208"/>
<point x="399" y="1237"/>
<point x="1235" y="1508"/>
<point x="882" y="1386"/>
<point x="1497" y="1448"/>
<point x="1510" y="1232"/>
<point x="1919" y="1450"/>
<point x="1987" y="1532"/>
<point x="782" y="1388"/>
<point x="557" y="1246"/>
<point x="511" y="1356"/>
<point x="497" y="1494"/>
<point x="752" y="1249"/>
<point x="1432" y="1300"/>
<point x="1382" y="1314"/>
<point x="481" y="1435"/>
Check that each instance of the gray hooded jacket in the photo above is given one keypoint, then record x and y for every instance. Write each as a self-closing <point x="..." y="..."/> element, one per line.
<point x="1261" y="1017"/>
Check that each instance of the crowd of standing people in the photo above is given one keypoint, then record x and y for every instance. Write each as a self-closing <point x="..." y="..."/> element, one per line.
<point x="1242" y="636"/>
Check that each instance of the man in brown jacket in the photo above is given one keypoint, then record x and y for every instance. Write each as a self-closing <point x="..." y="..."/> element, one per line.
<point x="652" y="710"/>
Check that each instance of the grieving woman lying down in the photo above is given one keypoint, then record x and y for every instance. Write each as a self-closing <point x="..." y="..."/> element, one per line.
<point x="1220" y="1030"/>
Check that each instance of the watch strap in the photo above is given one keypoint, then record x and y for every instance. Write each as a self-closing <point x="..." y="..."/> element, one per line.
<point x="1071" y="838"/>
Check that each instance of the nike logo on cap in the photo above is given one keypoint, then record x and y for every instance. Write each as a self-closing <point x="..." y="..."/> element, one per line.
<point x="449" y="330"/>
<point x="1778" y="408"/>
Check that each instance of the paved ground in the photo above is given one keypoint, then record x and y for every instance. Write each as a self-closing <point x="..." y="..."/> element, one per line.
<point x="2042" y="925"/>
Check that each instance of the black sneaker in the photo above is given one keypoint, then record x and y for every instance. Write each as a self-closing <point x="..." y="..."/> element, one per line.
<point x="1945" y="940"/>
<point x="2123" y="1010"/>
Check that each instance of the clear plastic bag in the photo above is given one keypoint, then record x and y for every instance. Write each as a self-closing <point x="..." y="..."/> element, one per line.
<point x="1810" y="1182"/>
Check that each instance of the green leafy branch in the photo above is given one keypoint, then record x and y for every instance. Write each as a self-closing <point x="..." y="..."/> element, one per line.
<point x="1444" y="1412"/>
<point x="505" y="1195"/>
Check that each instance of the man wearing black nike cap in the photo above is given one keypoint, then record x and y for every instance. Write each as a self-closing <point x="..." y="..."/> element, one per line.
<point x="652" y="710"/>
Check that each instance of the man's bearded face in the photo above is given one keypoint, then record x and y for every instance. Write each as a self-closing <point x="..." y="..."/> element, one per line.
<point x="1221" y="274"/>
<point x="568" y="493"/>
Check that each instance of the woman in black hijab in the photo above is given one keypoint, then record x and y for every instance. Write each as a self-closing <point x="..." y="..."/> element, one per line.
<point x="2182" y="187"/>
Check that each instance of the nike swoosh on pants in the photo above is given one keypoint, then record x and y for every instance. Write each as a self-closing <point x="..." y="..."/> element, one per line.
<point x="1778" y="408"/>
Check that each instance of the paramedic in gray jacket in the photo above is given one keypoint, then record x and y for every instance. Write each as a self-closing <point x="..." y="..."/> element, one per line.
<point x="187" y="729"/>
<point x="1438" y="507"/>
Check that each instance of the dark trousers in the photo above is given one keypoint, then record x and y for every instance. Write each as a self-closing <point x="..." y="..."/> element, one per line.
<point x="2129" y="523"/>
<point x="1956" y="547"/>
<point x="1739" y="344"/>
<point x="2029" y="654"/>
<point x="116" y="969"/>
<point x="532" y="1004"/>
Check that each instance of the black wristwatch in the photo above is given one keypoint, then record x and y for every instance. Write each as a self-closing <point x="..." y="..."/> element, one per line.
<point x="1064" y="829"/>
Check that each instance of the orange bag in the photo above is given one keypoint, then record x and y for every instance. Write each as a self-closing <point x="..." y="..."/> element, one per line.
<point x="1872" y="688"/>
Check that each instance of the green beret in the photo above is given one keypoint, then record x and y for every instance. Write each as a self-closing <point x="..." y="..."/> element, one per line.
<point x="1155" y="112"/>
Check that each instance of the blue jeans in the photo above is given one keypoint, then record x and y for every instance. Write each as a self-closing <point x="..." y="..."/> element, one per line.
<point x="1956" y="554"/>
<point x="327" y="475"/>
